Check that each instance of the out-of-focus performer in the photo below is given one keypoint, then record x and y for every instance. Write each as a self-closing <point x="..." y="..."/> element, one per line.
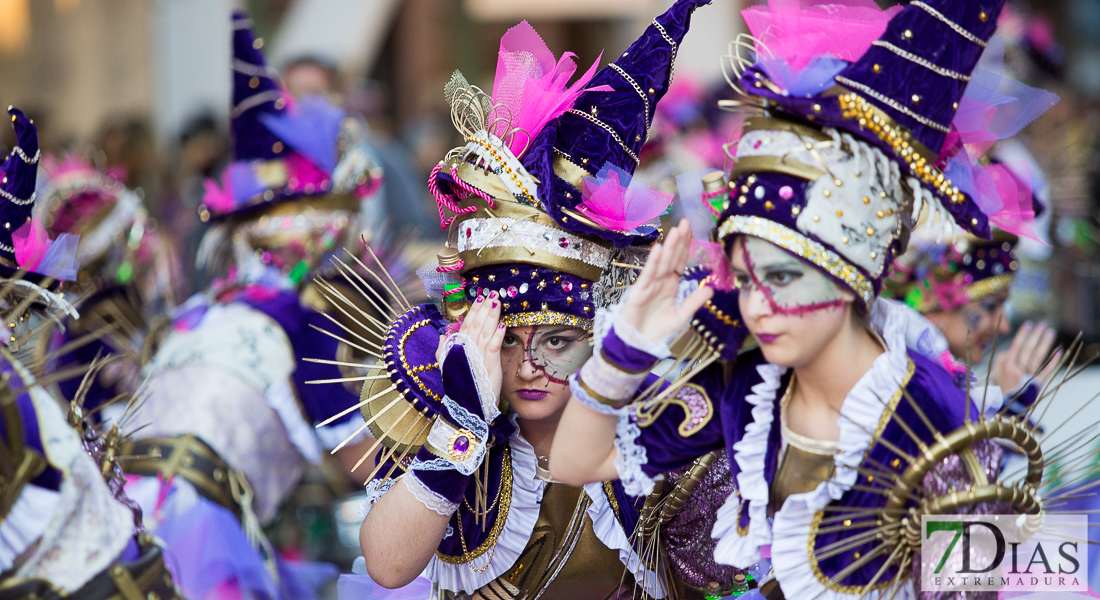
<point x="545" y="229"/>
<point x="231" y="419"/>
<point x="63" y="532"/>
<point x="835" y="429"/>
<point x="125" y="284"/>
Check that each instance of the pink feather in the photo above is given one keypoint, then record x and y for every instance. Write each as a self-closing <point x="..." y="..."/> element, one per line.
<point x="218" y="198"/>
<point x="532" y="86"/>
<point x="621" y="208"/>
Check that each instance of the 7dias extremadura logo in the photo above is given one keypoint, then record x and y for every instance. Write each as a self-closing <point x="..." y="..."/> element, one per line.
<point x="966" y="553"/>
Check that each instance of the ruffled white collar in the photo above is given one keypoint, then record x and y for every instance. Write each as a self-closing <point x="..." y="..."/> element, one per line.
<point x="788" y="533"/>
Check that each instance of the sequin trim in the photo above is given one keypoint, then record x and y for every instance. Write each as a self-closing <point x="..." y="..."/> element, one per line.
<point x="504" y="503"/>
<point x="907" y="149"/>
<point x="546" y="317"/>
<point x="921" y="61"/>
<point x="953" y="25"/>
<point x="793" y="241"/>
<point x="990" y="286"/>
<point x="609" y="130"/>
<point x="894" y="104"/>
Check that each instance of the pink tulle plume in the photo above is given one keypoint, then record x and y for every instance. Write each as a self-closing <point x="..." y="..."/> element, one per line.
<point x="36" y="252"/>
<point x="613" y="201"/>
<point x="800" y="30"/>
<point x="532" y="87"/>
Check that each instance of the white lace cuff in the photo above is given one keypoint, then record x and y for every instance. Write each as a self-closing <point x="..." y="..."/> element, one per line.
<point x="630" y="457"/>
<point x="485" y="390"/>
<point x="433" y="501"/>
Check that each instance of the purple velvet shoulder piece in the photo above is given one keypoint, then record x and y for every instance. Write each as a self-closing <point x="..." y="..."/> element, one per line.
<point x="32" y="440"/>
<point x="409" y="349"/>
<point x="319" y="401"/>
<point x="943" y="404"/>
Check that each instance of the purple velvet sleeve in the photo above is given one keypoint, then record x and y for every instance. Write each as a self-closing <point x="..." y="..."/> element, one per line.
<point x="685" y="430"/>
<point x="624" y="356"/>
<point x="448" y="483"/>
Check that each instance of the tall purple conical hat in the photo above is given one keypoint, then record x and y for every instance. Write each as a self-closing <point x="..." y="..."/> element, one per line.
<point x="549" y="266"/>
<point x="284" y="150"/>
<point x="838" y="177"/>
<point x="20" y="172"/>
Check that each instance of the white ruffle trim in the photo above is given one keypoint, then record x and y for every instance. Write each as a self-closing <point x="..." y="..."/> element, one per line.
<point x="630" y="456"/>
<point x="609" y="531"/>
<point x="431" y="500"/>
<point x="332" y="436"/>
<point x="484" y="387"/>
<point x="26" y="522"/>
<point x="789" y="532"/>
<point x="514" y="535"/>
<point x="749" y="452"/>
<point x="281" y="398"/>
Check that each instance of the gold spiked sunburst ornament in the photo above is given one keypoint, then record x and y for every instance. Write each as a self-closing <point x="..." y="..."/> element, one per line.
<point x="948" y="473"/>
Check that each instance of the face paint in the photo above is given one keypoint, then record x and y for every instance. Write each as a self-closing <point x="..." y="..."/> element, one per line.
<point x="791" y="285"/>
<point x="556" y="350"/>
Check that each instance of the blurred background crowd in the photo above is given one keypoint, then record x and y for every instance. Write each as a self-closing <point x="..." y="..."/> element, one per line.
<point x="143" y="87"/>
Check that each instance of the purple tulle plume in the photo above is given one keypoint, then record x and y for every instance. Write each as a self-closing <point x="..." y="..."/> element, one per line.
<point x="815" y="77"/>
<point x="312" y="128"/>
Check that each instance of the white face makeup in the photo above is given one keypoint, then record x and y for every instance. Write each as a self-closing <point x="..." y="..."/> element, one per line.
<point x="557" y="351"/>
<point x="791" y="285"/>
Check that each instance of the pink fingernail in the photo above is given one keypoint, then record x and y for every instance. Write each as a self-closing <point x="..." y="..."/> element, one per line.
<point x="480" y="298"/>
<point x="494" y="305"/>
<point x="500" y="326"/>
<point x="492" y="294"/>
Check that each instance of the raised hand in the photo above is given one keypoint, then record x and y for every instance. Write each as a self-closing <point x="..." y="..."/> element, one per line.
<point x="482" y="325"/>
<point x="651" y="305"/>
<point x="1029" y="348"/>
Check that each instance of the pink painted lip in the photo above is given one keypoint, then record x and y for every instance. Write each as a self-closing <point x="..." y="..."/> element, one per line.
<point x="532" y="394"/>
<point x="767" y="338"/>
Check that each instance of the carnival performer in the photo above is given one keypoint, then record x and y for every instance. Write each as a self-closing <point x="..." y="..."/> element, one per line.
<point x="824" y="422"/>
<point x="231" y="421"/>
<point x="547" y="227"/>
<point x="63" y="533"/>
<point x="126" y="280"/>
<point x="957" y="293"/>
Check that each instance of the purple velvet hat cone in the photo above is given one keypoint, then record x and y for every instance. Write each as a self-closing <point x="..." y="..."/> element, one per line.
<point x="918" y="70"/>
<point x="610" y="127"/>
<point x="902" y="94"/>
<point x="20" y="172"/>
<point x="255" y="93"/>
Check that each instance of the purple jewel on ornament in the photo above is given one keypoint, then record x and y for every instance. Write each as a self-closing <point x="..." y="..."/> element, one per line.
<point x="462" y="444"/>
<point x="563" y="242"/>
<point x="756" y="144"/>
<point x="469" y="232"/>
<point x="567" y="286"/>
<point x="786" y="192"/>
<point x="512" y="291"/>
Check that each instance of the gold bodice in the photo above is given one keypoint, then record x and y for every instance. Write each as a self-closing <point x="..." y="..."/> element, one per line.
<point x="804" y="462"/>
<point x="563" y="559"/>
